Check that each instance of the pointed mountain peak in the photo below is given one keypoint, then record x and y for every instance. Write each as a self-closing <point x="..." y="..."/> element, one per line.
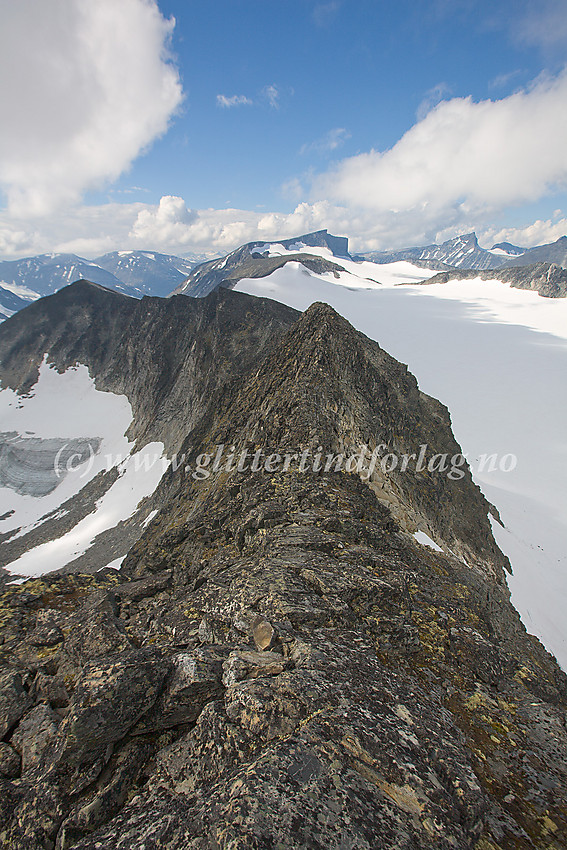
<point x="470" y="238"/>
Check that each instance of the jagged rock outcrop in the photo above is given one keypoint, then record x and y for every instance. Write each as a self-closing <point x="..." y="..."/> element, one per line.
<point x="279" y="663"/>
<point x="168" y="356"/>
<point x="546" y="278"/>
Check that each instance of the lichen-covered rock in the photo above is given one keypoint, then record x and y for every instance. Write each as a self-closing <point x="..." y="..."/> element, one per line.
<point x="10" y="761"/>
<point x="109" y="699"/>
<point x="194" y="680"/>
<point x="34" y="734"/>
<point x="95" y="629"/>
<point x="246" y="664"/>
<point x="14" y="700"/>
<point x="50" y="689"/>
<point x="47" y="632"/>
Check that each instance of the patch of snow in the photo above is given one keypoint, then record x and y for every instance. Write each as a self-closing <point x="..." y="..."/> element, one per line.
<point x="500" y="252"/>
<point x="494" y="300"/>
<point x="140" y="475"/>
<point x="425" y="540"/>
<point x="149" y="518"/>
<point x="68" y="406"/>
<point x="114" y="565"/>
<point x="21" y="291"/>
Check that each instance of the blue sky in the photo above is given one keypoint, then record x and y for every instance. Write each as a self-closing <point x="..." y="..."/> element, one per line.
<point x="364" y="66"/>
<point x="397" y="122"/>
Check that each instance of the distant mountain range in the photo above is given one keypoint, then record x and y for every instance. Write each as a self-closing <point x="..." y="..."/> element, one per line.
<point x="138" y="273"/>
<point x="259" y="260"/>
<point x="134" y="273"/>
<point x="464" y="252"/>
<point x="148" y="271"/>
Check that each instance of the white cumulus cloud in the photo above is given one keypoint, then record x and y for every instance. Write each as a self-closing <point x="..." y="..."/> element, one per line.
<point x="538" y="232"/>
<point x="167" y="224"/>
<point x="463" y="158"/>
<point x="174" y="228"/>
<point x="87" y="87"/>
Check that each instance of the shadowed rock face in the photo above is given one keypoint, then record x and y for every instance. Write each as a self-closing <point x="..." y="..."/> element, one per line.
<point x="278" y="663"/>
<point x="172" y="358"/>
<point x="168" y="356"/>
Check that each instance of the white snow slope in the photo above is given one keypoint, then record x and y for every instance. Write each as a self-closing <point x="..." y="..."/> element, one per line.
<point x="68" y="406"/>
<point x="497" y="357"/>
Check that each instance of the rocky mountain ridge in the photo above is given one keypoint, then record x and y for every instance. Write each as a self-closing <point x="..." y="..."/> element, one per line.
<point x="548" y="279"/>
<point x="459" y="252"/>
<point x="278" y="662"/>
<point x="168" y="356"/>
<point x="464" y="252"/>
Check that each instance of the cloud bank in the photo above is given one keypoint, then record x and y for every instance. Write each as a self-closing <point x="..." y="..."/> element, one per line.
<point x="463" y="157"/>
<point x="171" y="226"/>
<point x="91" y="85"/>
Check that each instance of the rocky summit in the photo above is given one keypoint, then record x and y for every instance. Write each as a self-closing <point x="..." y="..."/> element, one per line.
<point x="279" y="662"/>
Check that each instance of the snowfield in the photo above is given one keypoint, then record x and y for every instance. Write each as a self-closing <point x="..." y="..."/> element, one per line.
<point x="497" y="357"/>
<point x="67" y="408"/>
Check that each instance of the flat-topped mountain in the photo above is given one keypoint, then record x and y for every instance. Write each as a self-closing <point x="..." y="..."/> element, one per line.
<point x="252" y="260"/>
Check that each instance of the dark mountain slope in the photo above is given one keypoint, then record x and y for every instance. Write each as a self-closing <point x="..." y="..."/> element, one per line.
<point x="172" y="358"/>
<point x="325" y="384"/>
<point x="168" y="356"/>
